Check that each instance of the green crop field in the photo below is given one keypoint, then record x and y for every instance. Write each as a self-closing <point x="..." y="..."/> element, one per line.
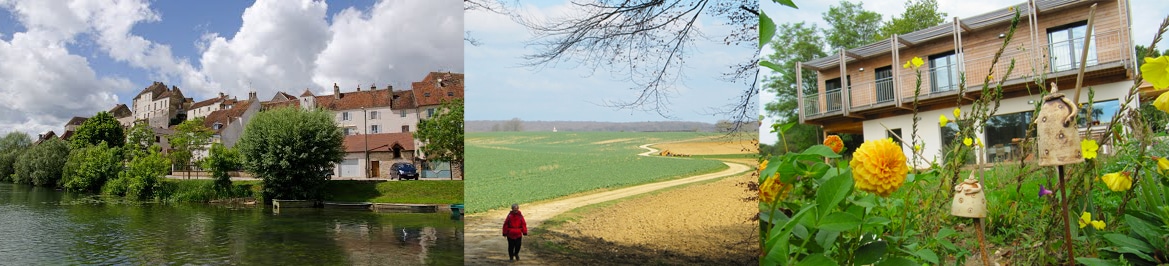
<point x="518" y="167"/>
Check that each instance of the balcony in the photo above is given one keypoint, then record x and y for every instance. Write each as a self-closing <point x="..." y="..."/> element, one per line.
<point x="1109" y="55"/>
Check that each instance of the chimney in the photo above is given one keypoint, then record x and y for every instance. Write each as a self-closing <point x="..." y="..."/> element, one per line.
<point x="373" y="87"/>
<point x="252" y="96"/>
<point x="336" y="91"/>
<point x="358" y="87"/>
<point x="221" y="94"/>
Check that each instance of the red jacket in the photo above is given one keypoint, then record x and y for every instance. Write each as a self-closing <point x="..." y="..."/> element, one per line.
<point x="515" y="226"/>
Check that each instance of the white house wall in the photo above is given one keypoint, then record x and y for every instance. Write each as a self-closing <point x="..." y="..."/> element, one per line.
<point x="930" y="132"/>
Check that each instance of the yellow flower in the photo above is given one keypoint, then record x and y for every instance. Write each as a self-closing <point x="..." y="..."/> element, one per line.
<point x="1162" y="164"/>
<point x="1162" y="102"/>
<point x="917" y="62"/>
<point x="917" y="147"/>
<point x="773" y="189"/>
<point x="1099" y="225"/>
<point x="906" y="65"/>
<point x="1085" y="219"/>
<point x="834" y="142"/>
<point x="1156" y="71"/>
<point x="878" y="166"/>
<point x="942" y="120"/>
<point x="990" y="77"/>
<point x="1089" y="147"/>
<point x="967" y="141"/>
<point x="979" y="143"/>
<point x="1119" y="181"/>
<point x="763" y="165"/>
<point x="957" y="113"/>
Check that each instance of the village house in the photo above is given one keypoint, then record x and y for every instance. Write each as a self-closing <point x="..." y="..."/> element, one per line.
<point x="71" y="126"/>
<point x="123" y="115"/>
<point x="160" y="106"/>
<point x="875" y="95"/>
<point x="429" y="95"/>
<point x="227" y="124"/>
<point x="206" y="107"/>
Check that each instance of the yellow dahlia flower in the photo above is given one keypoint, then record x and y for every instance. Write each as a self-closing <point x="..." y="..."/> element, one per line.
<point x="1119" y="181"/>
<point x="773" y="189"/>
<point x="834" y="142"/>
<point x="878" y="166"/>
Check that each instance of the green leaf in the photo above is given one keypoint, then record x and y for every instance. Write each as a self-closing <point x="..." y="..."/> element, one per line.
<point x="766" y="29"/>
<point x="821" y="150"/>
<point x="897" y="262"/>
<point x="1126" y="241"/>
<point x="773" y="67"/>
<point x="787" y="3"/>
<point x="840" y="221"/>
<point x="877" y="220"/>
<point x="927" y="255"/>
<point x="1095" y="262"/>
<point x="1138" y="253"/>
<point x="871" y="252"/>
<point x="826" y="238"/>
<point x="867" y="201"/>
<point x="945" y="232"/>
<point x="777" y="241"/>
<point x="1145" y="230"/>
<point x="788" y="171"/>
<point x="816" y="259"/>
<point x="831" y="193"/>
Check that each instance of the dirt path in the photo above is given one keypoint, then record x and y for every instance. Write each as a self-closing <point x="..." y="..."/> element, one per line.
<point x="484" y="243"/>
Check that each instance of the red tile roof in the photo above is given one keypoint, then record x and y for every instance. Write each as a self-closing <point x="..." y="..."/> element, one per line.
<point x="430" y="91"/>
<point x="379" y="142"/>
<point x="225" y="116"/>
<point x="120" y="109"/>
<point x="402" y="100"/>
<point x="281" y="96"/>
<point x="76" y="120"/>
<point x="208" y="102"/>
<point x="354" y="100"/>
<point x="159" y="90"/>
<point x="307" y="92"/>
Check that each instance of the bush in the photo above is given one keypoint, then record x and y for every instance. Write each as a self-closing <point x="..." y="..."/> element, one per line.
<point x="88" y="168"/>
<point x="12" y="146"/>
<point x="141" y="178"/>
<point x="220" y="161"/>
<point x="41" y="165"/>
<point x="292" y="150"/>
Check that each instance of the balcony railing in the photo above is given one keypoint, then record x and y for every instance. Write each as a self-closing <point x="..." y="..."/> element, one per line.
<point x="1108" y="48"/>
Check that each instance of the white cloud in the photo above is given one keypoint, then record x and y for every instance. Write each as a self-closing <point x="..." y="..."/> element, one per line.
<point x="395" y="42"/>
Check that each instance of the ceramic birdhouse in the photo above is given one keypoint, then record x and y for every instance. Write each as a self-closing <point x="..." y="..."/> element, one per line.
<point x="969" y="199"/>
<point x="1059" y="140"/>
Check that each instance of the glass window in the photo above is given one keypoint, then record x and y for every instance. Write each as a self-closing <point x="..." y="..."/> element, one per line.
<point x="374" y="129"/>
<point x="943" y="72"/>
<point x="429" y="112"/>
<point x="949" y="135"/>
<point x="405" y="128"/>
<point x="1005" y="134"/>
<point x="895" y="134"/>
<point x="884" y="78"/>
<point x="403" y="113"/>
<point x="344" y="116"/>
<point x="373" y="115"/>
<point x="1102" y="113"/>
<point x="1065" y="42"/>
<point x="832" y="94"/>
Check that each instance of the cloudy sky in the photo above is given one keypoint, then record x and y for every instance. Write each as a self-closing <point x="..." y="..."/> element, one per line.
<point x="1146" y="16"/>
<point x="60" y="59"/>
<point x="504" y="89"/>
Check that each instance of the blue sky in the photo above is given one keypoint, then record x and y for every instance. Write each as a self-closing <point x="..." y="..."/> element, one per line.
<point x="503" y="89"/>
<point x="60" y="59"/>
<point x="1146" y="16"/>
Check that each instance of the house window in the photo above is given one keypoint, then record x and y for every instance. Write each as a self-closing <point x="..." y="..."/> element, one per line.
<point x="405" y="129"/>
<point x="374" y="129"/>
<point x="884" y="78"/>
<point x="1004" y="135"/>
<point x="894" y="134"/>
<point x="950" y="135"/>
<point x="344" y="116"/>
<point x="832" y="95"/>
<point x="403" y="113"/>
<point x="426" y="94"/>
<point x="350" y="131"/>
<point x="1065" y="43"/>
<point x="1102" y="113"/>
<point x="944" y="72"/>
<point x="373" y="115"/>
<point x="429" y="112"/>
<point x="217" y="126"/>
<point x="450" y="93"/>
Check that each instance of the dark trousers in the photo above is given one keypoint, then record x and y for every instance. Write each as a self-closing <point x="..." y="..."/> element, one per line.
<point x="513" y="248"/>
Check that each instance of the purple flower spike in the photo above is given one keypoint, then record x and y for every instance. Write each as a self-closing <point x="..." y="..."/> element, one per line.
<point x="1043" y="191"/>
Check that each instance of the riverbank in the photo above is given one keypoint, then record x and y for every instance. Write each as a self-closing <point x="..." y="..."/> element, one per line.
<point x="413" y="192"/>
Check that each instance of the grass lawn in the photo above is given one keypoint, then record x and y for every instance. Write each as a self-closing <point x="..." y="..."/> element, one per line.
<point x="423" y="192"/>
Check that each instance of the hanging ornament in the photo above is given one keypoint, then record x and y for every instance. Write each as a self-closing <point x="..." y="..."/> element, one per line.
<point x="1059" y="139"/>
<point x="969" y="199"/>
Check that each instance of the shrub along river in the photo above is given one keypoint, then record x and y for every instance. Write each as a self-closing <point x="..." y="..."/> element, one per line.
<point x="40" y="226"/>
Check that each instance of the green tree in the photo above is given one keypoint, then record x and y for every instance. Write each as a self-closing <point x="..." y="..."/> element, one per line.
<point x="139" y="140"/>
<point x="443" y="135"/>
<point x="99" y="128"/>
<point x="918" y="15"/>
<point x="221" y="160"/>
<point x="189" y="137"/>
<point x="292" y="150"/>
<point x="41" y="165"/>
<point x="89" y="167"/>
<point x="141" y="180"/>
<point x="12" y="146"/>
<point x="850" y="25"/>
<point x="801" y="44"/>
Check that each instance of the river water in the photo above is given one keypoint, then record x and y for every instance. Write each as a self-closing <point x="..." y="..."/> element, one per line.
<point x="40" y="226"/>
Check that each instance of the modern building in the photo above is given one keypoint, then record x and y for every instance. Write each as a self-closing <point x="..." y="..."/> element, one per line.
<point x="866" y="90"/>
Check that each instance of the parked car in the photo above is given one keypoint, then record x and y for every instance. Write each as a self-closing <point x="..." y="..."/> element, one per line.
<point x="404" y="171"/>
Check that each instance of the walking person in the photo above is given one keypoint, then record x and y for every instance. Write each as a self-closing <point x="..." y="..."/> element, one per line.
<point x="514" y="228"/>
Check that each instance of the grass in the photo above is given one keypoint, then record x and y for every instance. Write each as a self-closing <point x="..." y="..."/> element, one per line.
<point x="421" y="192"/>
<point x="517" y="167"/>
<point x="203" y="190"/>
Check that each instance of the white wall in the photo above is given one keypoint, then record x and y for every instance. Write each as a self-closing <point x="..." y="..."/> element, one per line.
<point x="390" y="121"/>
<point x="930" y="132"/>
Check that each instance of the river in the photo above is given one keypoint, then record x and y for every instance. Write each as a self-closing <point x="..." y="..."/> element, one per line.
<point x="40" y="226"/>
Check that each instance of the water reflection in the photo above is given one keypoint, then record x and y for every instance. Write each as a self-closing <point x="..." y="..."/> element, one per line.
<point x="43" y="226"/>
